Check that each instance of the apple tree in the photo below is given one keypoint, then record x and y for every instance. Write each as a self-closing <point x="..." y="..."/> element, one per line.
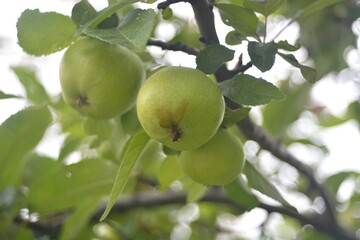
<point x="156" y="150"/>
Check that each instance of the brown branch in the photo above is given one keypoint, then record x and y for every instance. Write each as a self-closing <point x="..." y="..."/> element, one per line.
<point x="150" y="200"/>
<point x="254" y="132"/>
<point x="241" y="69"/>
<point x="205" y="20"/>
<point x="173" y="46"/>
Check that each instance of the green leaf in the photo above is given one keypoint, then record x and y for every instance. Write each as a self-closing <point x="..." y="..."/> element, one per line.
<point x="150" y="159"/>
<point x="241" y="194"/>
<point x="328" y="120"/>
<point x="290" y="58"/>
<point x="35" y="91"/>
<point x="44" y="33"/>
<point x="248" y="90"/>
<point x="212" y="57"/>
<point x="257" y="181"/>
<point x="284" y="45"/>
<point x="275" y="119"/>
<point x="195" y="191"/>
<point x="110" y="22"/>
<point x="316" y="7"/>
<point x="308" y="73"/>
<point x="241" y="19"/>
<point x="6" y="95"/>
<point x="99" y="129"/>
<point x="148" y="1"/>
<point x="70" y="184"/>
<point x="69" y="119"/>
<point x="103" y="14"/>
<point x="264" y="7"/>
<point x="70" y="144"/>
<point x="188" y="34"/>
<point x="262" y="55"/>
<point x="133" y="33"/>
<point x="167" y="13"/>
<point x="353" y="111"/>
<point x="132" y="152"/>
<point x="233" y="116"/>
<point x="20" y="134"/>
<point x="37" y="165"/>
<point x="234" y="38"/>
<point x="82" y="12"/>
<point x="130" y="122"/>
<point x="168" y="172"/>
<point x="79" y="218"/>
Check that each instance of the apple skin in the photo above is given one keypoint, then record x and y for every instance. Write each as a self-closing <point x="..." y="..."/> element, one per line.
<point x="180" y="107"/>
<point x="99" y="79"/>
<point x="218" y="162"/>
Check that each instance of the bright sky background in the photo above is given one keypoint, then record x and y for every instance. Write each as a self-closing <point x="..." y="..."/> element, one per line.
<point x="333" y="92"/>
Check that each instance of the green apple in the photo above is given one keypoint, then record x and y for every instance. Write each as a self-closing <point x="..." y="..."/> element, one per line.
<point x="99" y="79"/>
<point x="218" y="162"/>
<point x="180" y="107"/>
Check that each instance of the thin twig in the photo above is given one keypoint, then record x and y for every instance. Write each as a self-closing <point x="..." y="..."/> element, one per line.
<point x="167" y="3"/>
<point x="241" y="69"/>
<point x="173" y="46"/>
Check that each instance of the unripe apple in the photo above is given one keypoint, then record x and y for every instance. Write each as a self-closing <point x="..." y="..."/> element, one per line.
<point x="180" y="107"/>
<point x="218" y="162"/>
<point x="100" y="79"/>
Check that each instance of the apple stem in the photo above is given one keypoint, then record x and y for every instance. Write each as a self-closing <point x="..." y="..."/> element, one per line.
<point x="81" y="101"/>
<point x="175" y="132"/>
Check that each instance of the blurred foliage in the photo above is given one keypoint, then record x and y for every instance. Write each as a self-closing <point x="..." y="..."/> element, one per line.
<point x="274" y="120"/>
<point x="327" y="33"/>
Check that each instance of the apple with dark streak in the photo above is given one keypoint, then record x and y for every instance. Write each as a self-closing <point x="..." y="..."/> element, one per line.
<point x="99" y="79"/>
<point x="180" y="107"/>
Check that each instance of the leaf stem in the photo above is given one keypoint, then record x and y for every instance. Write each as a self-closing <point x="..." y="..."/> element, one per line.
<point x="265" y="30"/>
<point x="283" y="29"/>
<point x="167" y="3"/>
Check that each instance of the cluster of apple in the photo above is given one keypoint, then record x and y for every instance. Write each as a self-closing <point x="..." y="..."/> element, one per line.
<point x="180" y="107"/>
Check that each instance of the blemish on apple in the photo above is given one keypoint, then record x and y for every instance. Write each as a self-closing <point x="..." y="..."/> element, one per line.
<point x="81" y="101"/>
<point x="171" y="119"/>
